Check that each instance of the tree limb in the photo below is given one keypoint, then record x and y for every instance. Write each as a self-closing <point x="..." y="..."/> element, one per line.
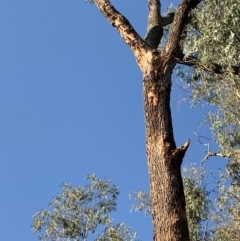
<point x="209" y="152"/>
<point x="156" y="22"/>
<point x="180" y="20"/>
<point x="122" y="25"/>
<point x="195" y="62"/>
<point x="154" y="17"/>
<point x="154" y="28"/>
<point x="167" y="19"/>
<point x="180" y="151"/>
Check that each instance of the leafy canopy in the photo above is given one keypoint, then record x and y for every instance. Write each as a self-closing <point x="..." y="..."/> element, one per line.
<point x="78" y="211"/>
<point x="211" y="45"/>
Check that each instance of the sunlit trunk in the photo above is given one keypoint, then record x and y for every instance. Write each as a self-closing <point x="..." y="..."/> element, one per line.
<point x="164" y="159"/>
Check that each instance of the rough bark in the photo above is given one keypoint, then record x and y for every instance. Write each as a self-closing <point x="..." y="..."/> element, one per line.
<point x="164" y="158"/>
<point x="122" y="25"/>
<point x="181" y="18"/>
<point x="154" y="27"/>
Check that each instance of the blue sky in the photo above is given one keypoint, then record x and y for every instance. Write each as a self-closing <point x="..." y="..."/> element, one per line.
<point x="71" y="104"/>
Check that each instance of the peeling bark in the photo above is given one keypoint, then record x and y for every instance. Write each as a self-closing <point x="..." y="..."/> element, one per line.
<point x="164" y="158"/>
<point x="123" y="26"/>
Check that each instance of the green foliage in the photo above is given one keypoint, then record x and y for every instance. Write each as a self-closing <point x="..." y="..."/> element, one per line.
<point x="213" y="38"/>
<point x="78" y="211"/>
<point x="142" y="202"/>
<point x="118" y="232"/>
<point x="225" y="216"/>
<point x="212" y="215"/>
<point x="197" y="201"/>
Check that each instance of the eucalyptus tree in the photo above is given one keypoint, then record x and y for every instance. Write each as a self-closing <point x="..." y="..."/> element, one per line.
<point x="198" y="33"/>
<point x="164" y="157"/>
<point x="201" y="40"/>
<point x="212" y="51"/>
<point x="198" y="203"/>
<point x="78" y="212"/>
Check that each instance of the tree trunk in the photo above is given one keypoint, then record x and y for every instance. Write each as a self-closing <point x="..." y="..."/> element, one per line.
<point x="164" y="159"/>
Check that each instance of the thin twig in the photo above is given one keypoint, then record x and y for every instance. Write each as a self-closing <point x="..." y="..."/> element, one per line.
<point x="209" y="152"/>
<point x="206" y="226"/>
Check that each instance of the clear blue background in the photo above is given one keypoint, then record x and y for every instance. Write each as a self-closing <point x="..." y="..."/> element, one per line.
<point x="71" y="104"/>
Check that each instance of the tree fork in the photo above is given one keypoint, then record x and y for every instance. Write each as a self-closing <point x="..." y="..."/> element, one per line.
<point x="164" y="158"/>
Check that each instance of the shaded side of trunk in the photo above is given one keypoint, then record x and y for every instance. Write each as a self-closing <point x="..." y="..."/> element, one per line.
<point x="164" y="159"/>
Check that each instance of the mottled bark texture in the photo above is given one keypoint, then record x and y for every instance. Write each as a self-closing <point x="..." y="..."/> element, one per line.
<point x="154" y="27"/>
<point x="164" y="158"/>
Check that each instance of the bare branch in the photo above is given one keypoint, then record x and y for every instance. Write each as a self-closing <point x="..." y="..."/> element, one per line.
<point x="154" y="17"/>
<point x="198" y="136"/>
<point x="234" y="196"/>
<point x="209" y="152"/>
<point x="180" y="20"/>
<point x="168" y="18"/>
<point x="154" y="28"/>
<point x="123" y="26"/>
<point x="185" y="146"/>
<point x="156" y="22"/>
<point x="206" y="227"/>
<point x="180" y="151"/>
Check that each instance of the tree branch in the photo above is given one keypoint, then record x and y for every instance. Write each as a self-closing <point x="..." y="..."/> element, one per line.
<point x="167" y="19"/>
<point x="217" y="68"/>
<point x="122" y="25"/>
<point x="180" y="20"/>
<point x="154" y="17"/>
<point x="206" y="227"/>
<point x="179" y="152"/>
<point x="209" y="152"/>
<point x="154" y="28"/>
